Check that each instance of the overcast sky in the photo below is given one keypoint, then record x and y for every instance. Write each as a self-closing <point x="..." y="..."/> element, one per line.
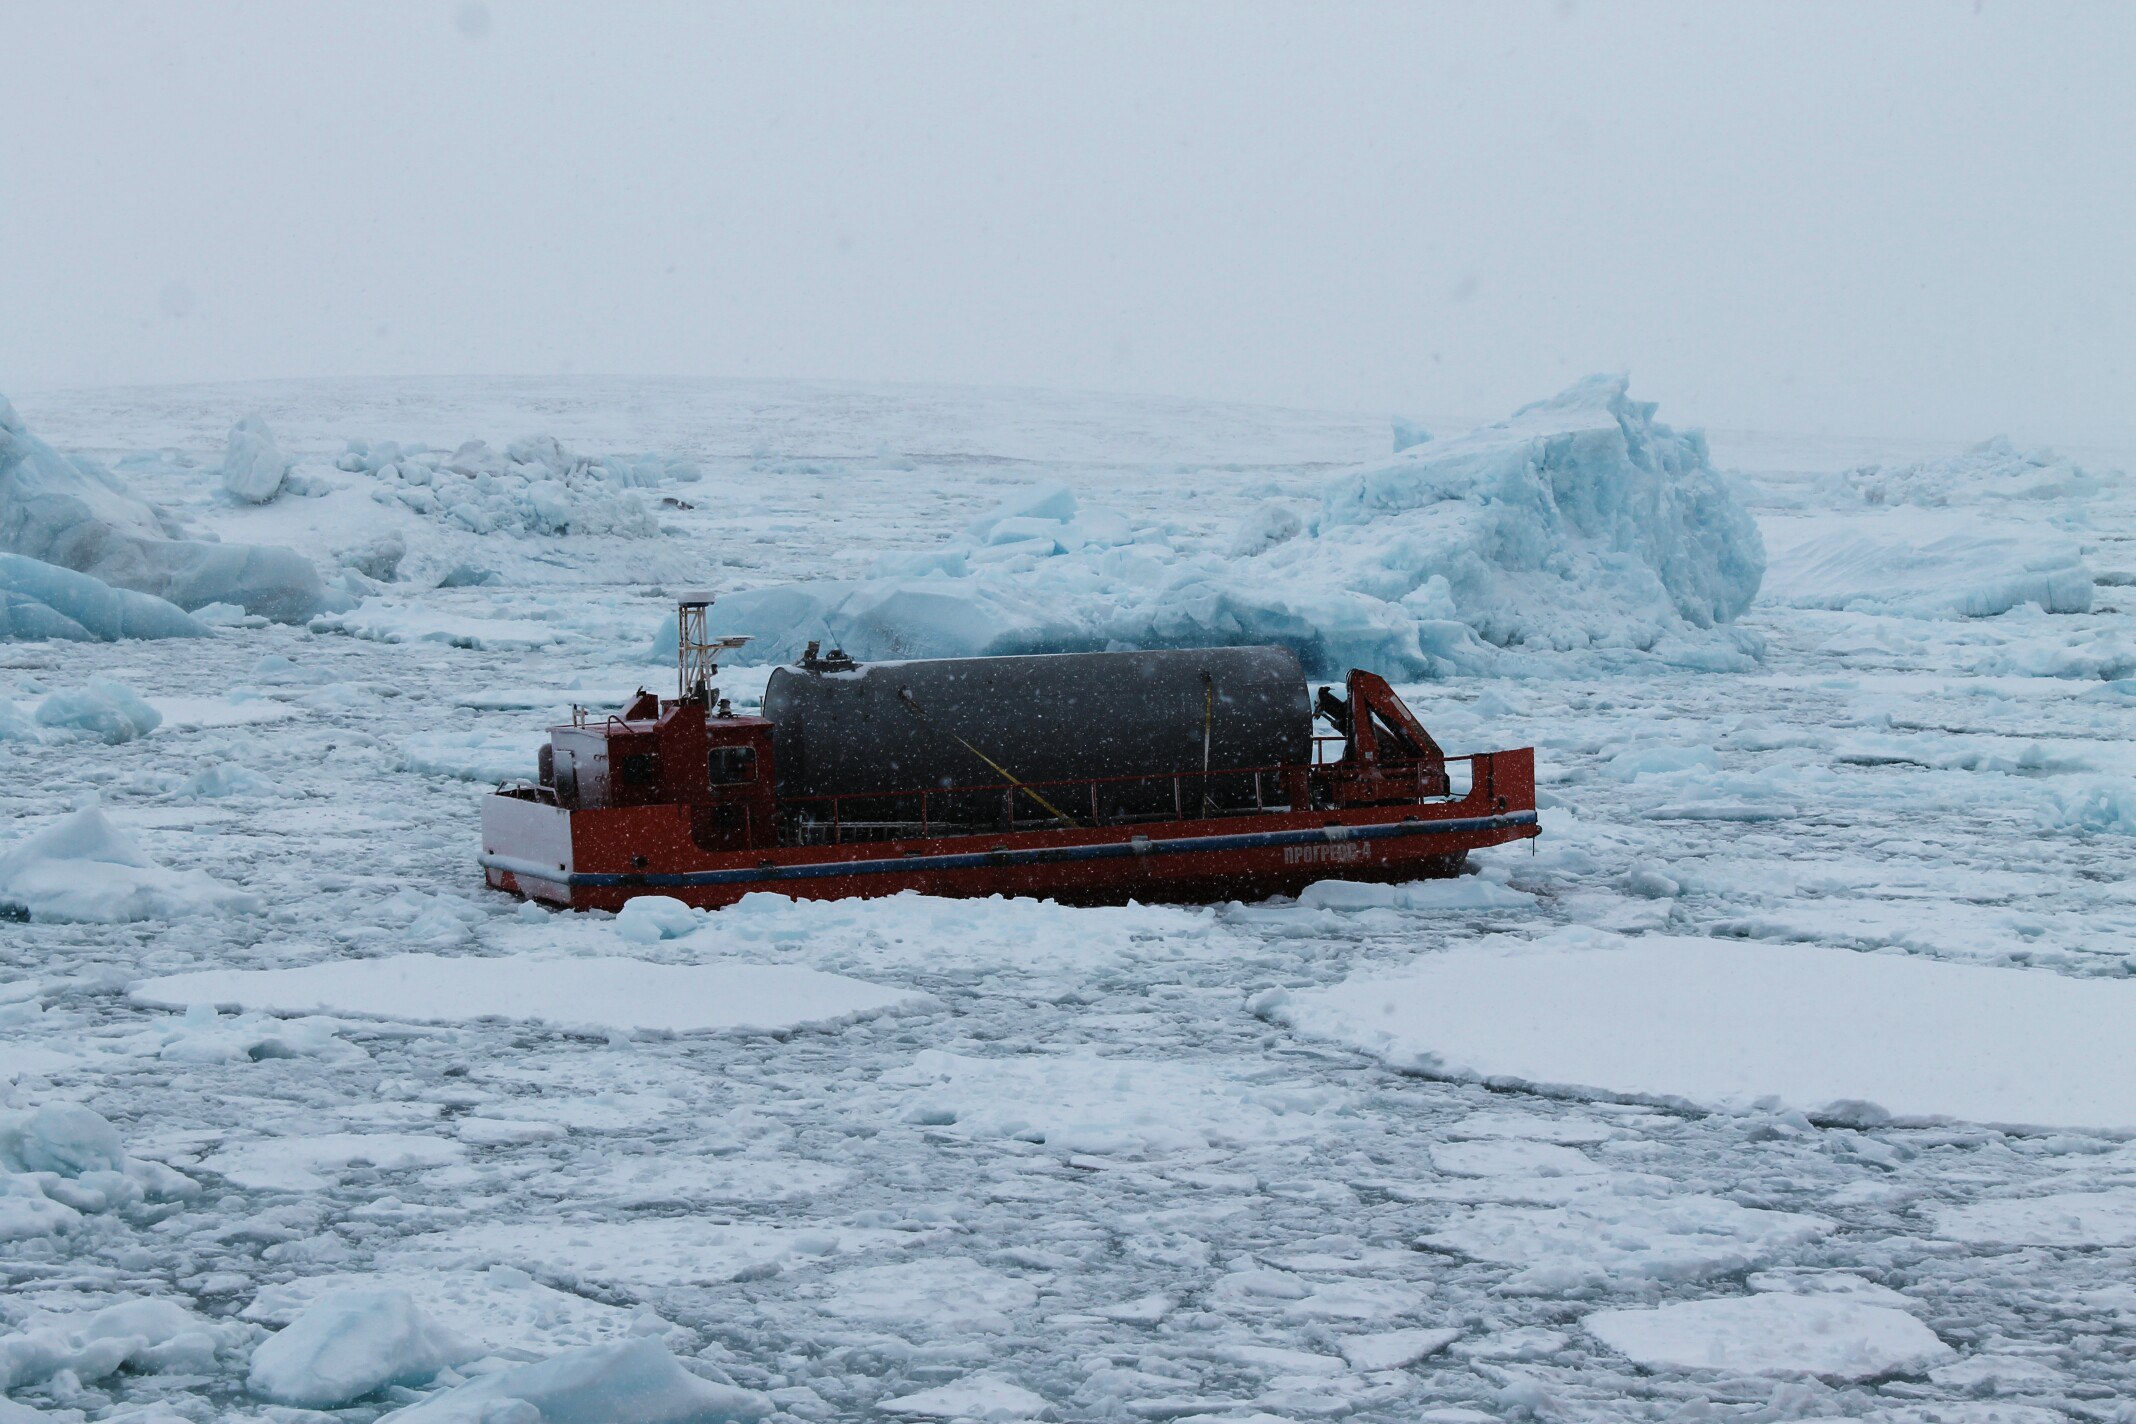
<point x="1875" y="219"/>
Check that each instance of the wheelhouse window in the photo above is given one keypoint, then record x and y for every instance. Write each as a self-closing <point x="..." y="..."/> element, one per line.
<point x="732" y="766"/>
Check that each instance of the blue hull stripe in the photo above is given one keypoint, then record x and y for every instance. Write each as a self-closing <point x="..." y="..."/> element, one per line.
<point x="998" y="859"/>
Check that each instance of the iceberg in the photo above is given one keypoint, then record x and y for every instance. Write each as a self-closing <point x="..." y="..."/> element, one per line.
<point x="1580" y="523"/>
<point x="253" y="465"/>
<point x="76" y="514"/>
<point x="40" y="600"/>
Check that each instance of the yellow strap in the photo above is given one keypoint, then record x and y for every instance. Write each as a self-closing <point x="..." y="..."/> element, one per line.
<point x="1002" y="771"/>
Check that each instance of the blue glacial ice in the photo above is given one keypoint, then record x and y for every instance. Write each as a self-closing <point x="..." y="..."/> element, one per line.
<point x="40" y="600"/>
<point x="75" y="513"/>
<point x="1581" y="523"/>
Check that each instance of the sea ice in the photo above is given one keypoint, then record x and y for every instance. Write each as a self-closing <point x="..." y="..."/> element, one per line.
<point x="648" y="919"/>
<point x="1083" y="1102"/>
<point x="644" y="1253"/>
<point x="1993" y="470"/>
<point x="350" y="1344"/>
<point x="308" y="1163"/>
<point x="633" y="1382"/>
<point x="1917" y="565"/>
<point x="501" y="1309"/>
<point x="1394" y="1349"/>
<point x="1579" y="523"/>
<point x="1748" y="1026"/>
<point x="76" y="514"/>
<point x="1604" y="1235"/>
<point x="1815" y="1336"/>
<point x="592" y="994"/>
<point x="253" y="465"/>
<point x="986" y="1398"/>
<point x="392" y="620"/>
<point x="84" y="868"/>
<point x="533" y="486"/>
<point x="948" y="1293"/>
<point x="149" y="1334"/>
<point x="2066" y="1219"/>
<point x="106" y="710"/>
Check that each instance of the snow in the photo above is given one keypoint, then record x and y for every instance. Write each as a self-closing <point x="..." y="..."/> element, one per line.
<point x="351" y="1344"/>
<point x="78" y="515"/>
<point x="1839" y="1035"/>
<point x="1822" y="1337"/>
<point x="1580" y="523"/>
<point x="1259" y="1230"/>
<point x="84" y="868"/>
<point x="253" y="466"/>
<point x="595" y="994"/>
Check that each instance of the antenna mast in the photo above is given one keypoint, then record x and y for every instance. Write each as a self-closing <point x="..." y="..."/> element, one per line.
<point x="696" y="649"/>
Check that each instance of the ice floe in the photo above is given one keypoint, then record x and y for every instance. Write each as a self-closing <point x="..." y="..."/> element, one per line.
<point x="631" y="1382"/>
<point x="84" y="868"/>
<point x="300" y="1163"/>
<point x="350" y="1344"/>
<point x="106" y="710"/>
<point x="591" y="994"/>
<point x="1082" y="1102"/>
<point x="1841" y="1035"/>
<point x="986" y="1398"/>
<point x="1804" y="1336"/>
<point x="501" y="1308"/>
<point x="2068" y="1219"/>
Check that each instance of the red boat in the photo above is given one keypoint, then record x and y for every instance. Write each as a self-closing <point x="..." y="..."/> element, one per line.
<point x="1189" y="775"/>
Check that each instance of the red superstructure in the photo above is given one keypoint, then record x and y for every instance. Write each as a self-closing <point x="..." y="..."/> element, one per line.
<point x="678" y="797"/>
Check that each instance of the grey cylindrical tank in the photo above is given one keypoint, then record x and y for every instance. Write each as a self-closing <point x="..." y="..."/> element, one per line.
<point x="896" y="727"/>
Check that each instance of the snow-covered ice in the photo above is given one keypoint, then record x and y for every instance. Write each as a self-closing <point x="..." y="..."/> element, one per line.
<point x="1837" y="1034"/>
<point x="1823" y="1337"/>
<point x="1068" y="1156"/>
<point x="83" y="867"/>
<point x="351" y="1344"/>
<point x="591" y="994"/>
